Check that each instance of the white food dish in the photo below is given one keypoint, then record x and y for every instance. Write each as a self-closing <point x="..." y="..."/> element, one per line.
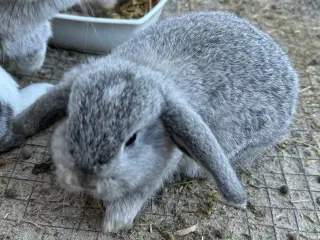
<point x="98" y="35"/>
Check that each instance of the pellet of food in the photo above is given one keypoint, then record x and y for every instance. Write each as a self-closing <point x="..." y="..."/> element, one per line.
<point x="26" y="153"/>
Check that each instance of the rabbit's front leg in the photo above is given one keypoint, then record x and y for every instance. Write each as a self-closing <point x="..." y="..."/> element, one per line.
<point x="121" y="213"/>
<point x="26" y="53"/>
<point x="30" y="62"/>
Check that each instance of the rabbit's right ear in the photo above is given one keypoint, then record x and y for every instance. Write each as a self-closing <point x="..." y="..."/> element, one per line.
<point x="192" y="136"/>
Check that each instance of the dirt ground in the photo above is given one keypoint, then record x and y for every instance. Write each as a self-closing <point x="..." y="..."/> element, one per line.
<point x="33" y="207"/>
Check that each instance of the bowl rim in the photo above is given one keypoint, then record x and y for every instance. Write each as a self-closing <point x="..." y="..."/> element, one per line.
<point x="145" y="18"/>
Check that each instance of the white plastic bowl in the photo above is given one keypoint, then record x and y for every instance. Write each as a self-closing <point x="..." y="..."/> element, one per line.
<point x="98" y="35"/>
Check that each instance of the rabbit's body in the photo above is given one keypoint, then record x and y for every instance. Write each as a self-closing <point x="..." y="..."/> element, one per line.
<point x="209" y="85"/>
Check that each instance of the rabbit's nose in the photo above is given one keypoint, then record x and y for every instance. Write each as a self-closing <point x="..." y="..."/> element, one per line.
<point x="73" y="181"/>
<point x="91" y="186"/>
<point x="88" y="184"/>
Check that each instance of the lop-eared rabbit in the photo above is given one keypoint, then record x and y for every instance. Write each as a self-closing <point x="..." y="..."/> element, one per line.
<point x="200" y="95"/>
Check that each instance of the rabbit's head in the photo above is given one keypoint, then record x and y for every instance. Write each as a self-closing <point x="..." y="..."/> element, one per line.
<point x="123" y="127"/>
<point x="113" y="140"/>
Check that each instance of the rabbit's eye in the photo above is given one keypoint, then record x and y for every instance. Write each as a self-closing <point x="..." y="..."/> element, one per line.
<point x="131" y="140"/>
<point x="71" y="151"/>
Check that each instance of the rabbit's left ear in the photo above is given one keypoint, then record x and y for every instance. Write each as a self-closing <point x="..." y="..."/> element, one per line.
<point x="192" y="136"/>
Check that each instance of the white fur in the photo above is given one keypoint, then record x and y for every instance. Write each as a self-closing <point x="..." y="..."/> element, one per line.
<point x="9" y="92"/>
<point x="31" y="93"/>
<point x="19" y="100"/>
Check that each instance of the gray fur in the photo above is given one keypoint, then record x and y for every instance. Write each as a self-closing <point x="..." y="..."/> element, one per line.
<point x="209" y="85"/>
<point x="6" y="114"/>
<point x="25" y="30"/>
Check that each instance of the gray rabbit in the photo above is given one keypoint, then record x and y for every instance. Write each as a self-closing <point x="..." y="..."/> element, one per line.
<point x="24" y="32"/>
<point x="200" y="95"/>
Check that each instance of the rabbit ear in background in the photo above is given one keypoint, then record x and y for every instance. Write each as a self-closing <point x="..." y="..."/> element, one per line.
<point x="32" y="92"/>
<point x="193" y="137"/>
<point x="44" y="112"/>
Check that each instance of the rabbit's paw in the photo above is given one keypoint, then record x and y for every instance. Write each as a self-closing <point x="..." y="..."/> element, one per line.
<point x="31" y="62"/>
<point x="113" y="225"/>
<point x="120" y="214"/>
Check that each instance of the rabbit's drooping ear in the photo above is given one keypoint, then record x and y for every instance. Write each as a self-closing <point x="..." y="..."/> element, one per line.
<point x="192" y="136"/>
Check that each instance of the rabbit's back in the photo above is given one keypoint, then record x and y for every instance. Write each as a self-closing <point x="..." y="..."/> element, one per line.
<point x="233" y="74"/>
<point x="203" y="51"/>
